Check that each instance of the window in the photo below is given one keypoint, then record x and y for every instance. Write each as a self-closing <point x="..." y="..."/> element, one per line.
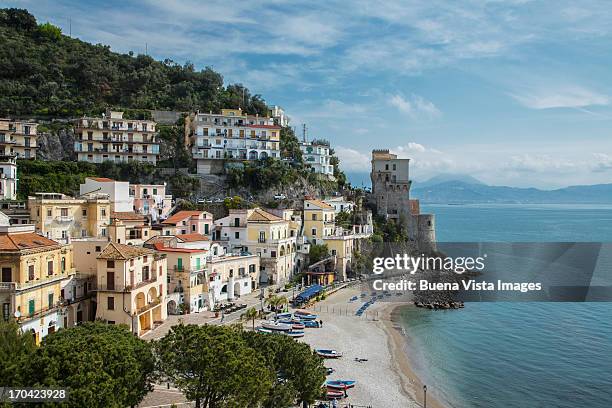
<point x="110" y="280"/>
<point x="273" y="254"/>
<point x="84" y="212"/>
<point x="236" y="222"/>
<point x="193" y="228"/>
<point x="50" y="268"/>
<point x="31" y="274"/>
<point x="63" y="264"/>
<point x="31" y="307"/>
<point x="110" y="303"/>
<point x="103" y="212"/>
<point x="110" y="264"/>
<point x="394" y="168"/>
<point x="206" y="228"/>
<point x="314" y="217"/>
<point x="237" y="235"/>
<point x="49" y="212"/>
<point x="145" y="259"/>
<point x="333" y="252"/>
<point x="262" y="236"/>
<point x="50" y="300"/>
<point x="145" y="273"/>
<point x="314" y="231"/>
<point x="103" y="232"/>
<point x="7" y="275"/>
<point x="98" y="249"/>
<point x="64" y="212"/>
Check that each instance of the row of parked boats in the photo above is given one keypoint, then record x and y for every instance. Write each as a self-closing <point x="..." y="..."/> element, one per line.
<point x="291" y="324"/>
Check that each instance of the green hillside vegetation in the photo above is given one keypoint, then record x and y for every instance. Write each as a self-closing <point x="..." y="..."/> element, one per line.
<point x="46" y="73"/>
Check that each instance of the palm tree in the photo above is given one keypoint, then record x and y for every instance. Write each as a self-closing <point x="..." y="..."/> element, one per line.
<point x="251" y="314"/>
<point x="281" y="301"/>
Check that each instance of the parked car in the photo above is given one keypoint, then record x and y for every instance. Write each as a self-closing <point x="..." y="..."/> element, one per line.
<point x="280" y="197"/>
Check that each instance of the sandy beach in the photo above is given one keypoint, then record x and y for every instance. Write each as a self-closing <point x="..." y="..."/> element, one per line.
<point x="386" y="379"/>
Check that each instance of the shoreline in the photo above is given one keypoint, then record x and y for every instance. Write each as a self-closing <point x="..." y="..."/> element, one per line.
<point x="412" y="385"/>
<point x="388" y="378"/>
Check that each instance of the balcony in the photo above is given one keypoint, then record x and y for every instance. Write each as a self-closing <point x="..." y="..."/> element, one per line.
<point x="64" y="218"/>
<point x="148" y="306"/>
<point x="16" y="286"/>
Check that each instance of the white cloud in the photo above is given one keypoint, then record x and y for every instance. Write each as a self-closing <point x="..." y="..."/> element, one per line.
<point x="563" y="97"/>
<point x="539" y="163"/>
<point x="602" y="163"/>
<point x="414" y="106"/>
<point x="352" y="160"/>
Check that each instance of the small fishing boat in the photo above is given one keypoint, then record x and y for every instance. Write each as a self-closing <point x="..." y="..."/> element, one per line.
<point x="270" y="325"/>
<point x="263" y="330"/>
<point x="294" y="324"/>
<point x="311" y="324"/>
<point x="305" y="314"/>
<point x="340" y="384"/>
<point x="287" y="315"/>
<point x="334" y="394"/>
<point x="294" y="333"/>
<point x="327" y="353"/>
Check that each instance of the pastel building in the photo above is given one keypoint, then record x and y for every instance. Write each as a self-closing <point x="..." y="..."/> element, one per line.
<point x="232" y="134"/>
<point x="18" y="138"/>
<point x="317" y="157"/>
<point x="8" y="177"/>
<point x="151" y="200"/>
<point x="232" y="275"/>
<point x="34" y="271"/>
<point x="129" y="228"/>
<point x="187" y="282"/>
<point x="260" y="232"/>
<point x="61" y="217"/>
<point x="131" y="287"/>
<point x="188" y="222"/>
<point x="114" y="138"/>
<point x="319" y="220"/>
<point x="340" y="204"/>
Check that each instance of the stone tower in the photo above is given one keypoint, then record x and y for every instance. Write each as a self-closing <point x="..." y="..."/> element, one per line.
<point x="391" y="193"/>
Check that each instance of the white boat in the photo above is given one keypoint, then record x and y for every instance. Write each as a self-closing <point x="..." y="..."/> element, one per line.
<point x="271" y="325"/>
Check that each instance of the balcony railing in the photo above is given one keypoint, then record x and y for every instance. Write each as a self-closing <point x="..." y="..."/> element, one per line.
<point x="148" y="306"/>
<point x="14" y="286"/>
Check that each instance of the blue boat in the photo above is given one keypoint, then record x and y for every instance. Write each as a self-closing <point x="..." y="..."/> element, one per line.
<point x="340" y="384"/>
<point x="294" y="333"/>
<point x="328" y="353"/>
<point x="288" y="315"/>
<point x="311" y="324"/>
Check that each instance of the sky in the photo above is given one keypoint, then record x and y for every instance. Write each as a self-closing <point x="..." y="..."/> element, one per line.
<point x="512" y="92"/>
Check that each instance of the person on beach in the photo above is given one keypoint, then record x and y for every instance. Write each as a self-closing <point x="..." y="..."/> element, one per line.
<point x="321" y="323"/>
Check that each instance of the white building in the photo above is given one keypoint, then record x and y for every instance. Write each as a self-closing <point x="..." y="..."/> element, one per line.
<point x="279" y="115"/>
<point x="232" y="135"/>
<point x="8" y="177"/>
<point x="117" y="191"/>
<point x="340" y="204"/>
<point x="317" y="156"/>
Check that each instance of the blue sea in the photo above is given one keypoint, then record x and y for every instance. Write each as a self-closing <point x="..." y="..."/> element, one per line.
<point x="523" y="355"/>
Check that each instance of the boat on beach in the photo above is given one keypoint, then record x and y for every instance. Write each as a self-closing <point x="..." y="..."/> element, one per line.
<point x="310" y="323"/>
<point x="340" y="384"/>
<point x="263" y="330"/>
<point x="276" y="326"/>
<point x="294" y="324"/>
<point x="293" y="333"/>
<point x="327" y="353"/>
<point x="334" y="394"/>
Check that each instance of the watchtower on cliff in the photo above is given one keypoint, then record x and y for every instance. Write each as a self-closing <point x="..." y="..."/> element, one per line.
<point x="391" y="183"/>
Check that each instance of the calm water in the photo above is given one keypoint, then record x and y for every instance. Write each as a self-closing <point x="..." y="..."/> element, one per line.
<point x="503" y="355"/>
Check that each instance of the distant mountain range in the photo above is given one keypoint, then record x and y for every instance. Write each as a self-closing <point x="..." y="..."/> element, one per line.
<point x="445" y="190"/>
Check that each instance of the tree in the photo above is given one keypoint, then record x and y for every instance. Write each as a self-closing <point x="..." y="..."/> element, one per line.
<point x="16" y="348"/>
<point x="251" y="314"/>
<point x="103" y="365"/>
<point x="213" y="366"/>
<point x="317" y="252"/>
<point x="298" y="370"/>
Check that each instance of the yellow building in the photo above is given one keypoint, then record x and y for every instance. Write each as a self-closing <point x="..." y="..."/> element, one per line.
<point x="129" y="228"/>
<point x="35" y="271"/>
<point x="131" y="287"/>
<point x="341" y="246"/>
<point x="113" y="138"/>
<point x="60" y="217"/>
<point x="319" y="220"/>
<point x="18" y="138"/>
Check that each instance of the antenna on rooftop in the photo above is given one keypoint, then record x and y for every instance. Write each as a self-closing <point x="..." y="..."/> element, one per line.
<point x="146" y="49"/>
<point x="70" y="26"/>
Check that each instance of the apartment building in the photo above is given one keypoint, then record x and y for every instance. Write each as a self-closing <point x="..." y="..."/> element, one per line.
<point x="18" y="138"/>
<point x="35" y="270"/>
<point x="232" y="275"/>
<point x="113" y="138"/>
<point x="279" y="115"/>
<point x="131" y="287"/>
<point x="319" y="220"/>
<point x="317" y="157"/>
<point x="260" y="232"/>
<point x="187" y="282"/>
<point x="61" y="217"/>
<point x="8" y="177"/>
<point x="340" y="204"/>
<point x="151" y="200"/>
<point x="188" y="222"/>
<point x="232" y="134"/>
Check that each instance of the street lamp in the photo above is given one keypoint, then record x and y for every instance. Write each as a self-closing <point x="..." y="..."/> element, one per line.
<point x="424" y="396"/>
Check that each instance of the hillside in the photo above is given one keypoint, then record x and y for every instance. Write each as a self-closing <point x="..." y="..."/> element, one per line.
<point x="455" y="191"/>
<point x="44" y="73"/>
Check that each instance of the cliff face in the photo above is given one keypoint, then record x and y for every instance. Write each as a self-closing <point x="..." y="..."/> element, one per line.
<point x="56" y="145"/>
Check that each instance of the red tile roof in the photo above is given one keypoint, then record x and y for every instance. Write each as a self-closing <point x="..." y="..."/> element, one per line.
<point x="159" y="246"/>
<point x="27" y="240"/>
<point x="127" y="216"/>
<point x="102" y="179"/>
<point x="180" y="216"/>
<point x="192" y="237"/>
